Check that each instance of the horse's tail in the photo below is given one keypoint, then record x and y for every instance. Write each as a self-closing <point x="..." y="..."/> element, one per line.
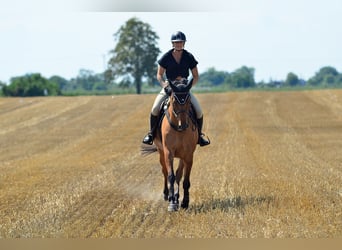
<point x="147" y="149"/>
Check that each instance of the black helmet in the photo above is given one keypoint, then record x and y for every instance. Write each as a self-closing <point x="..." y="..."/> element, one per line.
<point x="178" y="37"/>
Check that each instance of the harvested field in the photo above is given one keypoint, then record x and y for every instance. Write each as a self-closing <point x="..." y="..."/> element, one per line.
<point x="70" y="167"/>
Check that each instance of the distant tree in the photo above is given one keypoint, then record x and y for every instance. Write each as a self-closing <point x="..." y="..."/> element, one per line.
<point x="329" y="80"/>
<point x="31" y="85"/>
<point x="2" y="84"/>
<point x="243" y="77"/>
<point x="339" y="80"/>
<point x="87" y="80"/>
<point x="60" y="81"/>
<point x="100" y="86"/>
<point x="125" y="82"/>
<point x="292" y="79"/>
<point x="326" y="75"/>
<point x="214" y="77"/>
<point x="135" y="53"/>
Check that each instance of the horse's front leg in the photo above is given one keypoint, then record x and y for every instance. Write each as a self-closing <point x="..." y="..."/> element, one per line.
<point x="166" y="189"/>
<point x="164" y="170"/>
<point x="179" y="174"/>
<point x="173" y="206"/>
<point x="186" y="184"/>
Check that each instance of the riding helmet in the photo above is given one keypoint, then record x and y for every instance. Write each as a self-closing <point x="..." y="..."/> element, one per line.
<point x="178" y="37"/>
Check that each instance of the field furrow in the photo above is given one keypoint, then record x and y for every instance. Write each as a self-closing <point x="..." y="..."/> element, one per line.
<point x="71" y="167"/>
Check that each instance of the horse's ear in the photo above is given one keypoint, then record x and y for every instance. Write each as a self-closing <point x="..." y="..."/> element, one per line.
<point x="173" y="86"/>
<point x="189" y="85"/>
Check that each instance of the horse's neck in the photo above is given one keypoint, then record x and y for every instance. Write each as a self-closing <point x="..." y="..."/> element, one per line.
<point x="171" y="111"/>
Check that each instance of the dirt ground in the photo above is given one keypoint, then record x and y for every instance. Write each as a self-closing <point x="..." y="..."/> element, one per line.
<point x="71" y="167"/>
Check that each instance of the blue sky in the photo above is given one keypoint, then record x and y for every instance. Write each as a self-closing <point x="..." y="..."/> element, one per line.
<point x="274" y="37"/>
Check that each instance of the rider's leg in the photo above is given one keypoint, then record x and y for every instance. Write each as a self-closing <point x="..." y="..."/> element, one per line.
<point x="199" y="115"/>
<point x="201" y="140"/>
<point x="148" y="139"/>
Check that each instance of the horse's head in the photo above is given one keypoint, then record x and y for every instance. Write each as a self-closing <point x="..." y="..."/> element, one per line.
<point x="181" y="91"/>
<point x="181" y="102"/>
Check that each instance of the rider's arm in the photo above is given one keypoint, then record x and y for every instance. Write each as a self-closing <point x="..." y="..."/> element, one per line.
<point x="195" y="76"/>
<point x="160" y="76"/>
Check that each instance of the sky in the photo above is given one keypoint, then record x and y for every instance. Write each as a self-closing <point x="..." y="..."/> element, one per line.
<point x="273" y="37"/>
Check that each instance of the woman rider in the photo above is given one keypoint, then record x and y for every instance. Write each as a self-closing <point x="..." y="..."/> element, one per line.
<point x="176" y="64"/>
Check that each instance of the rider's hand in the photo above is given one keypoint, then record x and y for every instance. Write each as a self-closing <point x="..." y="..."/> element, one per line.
<point x="184" y="81"/>
<point x="168" y="90"/>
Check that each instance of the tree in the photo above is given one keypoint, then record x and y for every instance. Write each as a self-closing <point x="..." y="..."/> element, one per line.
<point x="30" y="85"/>
<point x="135" y="53"/>
<point x="86" y="79"/>
<point x="214" y="77"/>
<point x="2" y="85"/>
<point x="60" y="81"/>
<point x="243" y="77"/>
<point x="292" y="79"/>
<point x="339" y="80"/>
<point x="325" y="75"/>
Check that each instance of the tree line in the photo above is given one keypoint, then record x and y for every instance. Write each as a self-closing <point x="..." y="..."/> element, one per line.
<point x="243" y="77"/>
<point x="132" y="65"/>
<point x="88" y="82"/>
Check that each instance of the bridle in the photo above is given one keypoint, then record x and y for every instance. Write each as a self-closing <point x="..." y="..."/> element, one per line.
<point x="181" y="98"/>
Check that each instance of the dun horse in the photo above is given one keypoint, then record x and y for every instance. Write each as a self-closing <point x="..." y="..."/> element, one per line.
<point x="177" y="138"/>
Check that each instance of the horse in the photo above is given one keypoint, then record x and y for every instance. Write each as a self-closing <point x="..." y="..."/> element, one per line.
<point x="176" y="137"/>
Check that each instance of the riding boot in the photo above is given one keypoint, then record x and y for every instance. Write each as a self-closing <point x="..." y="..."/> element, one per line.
<point x="201" y="140"/>
<point x="148" y="139"/>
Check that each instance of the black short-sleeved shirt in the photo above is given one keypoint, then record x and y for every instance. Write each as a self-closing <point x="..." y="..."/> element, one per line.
<point x="174" y="69"/>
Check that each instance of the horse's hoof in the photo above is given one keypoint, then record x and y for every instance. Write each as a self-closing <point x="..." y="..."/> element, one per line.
<point x="185" y="205"/>
<point x="173" y="207"/>
<point x="166" y="194"/>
